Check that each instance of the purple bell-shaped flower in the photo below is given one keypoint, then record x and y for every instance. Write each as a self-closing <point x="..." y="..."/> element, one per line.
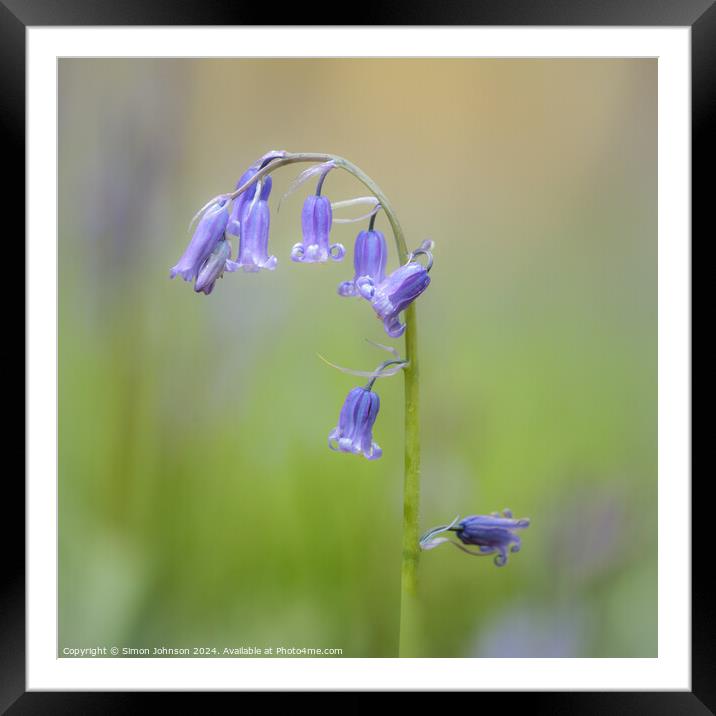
<point x="370" y="255"/>
<point x="491" y="534"/>
<point x="209" y="231"/>
<point x="254" y="227"/>
<point x="316" y="220"/>
<point x="354" y="432"/>
<point x="394" y="294"/>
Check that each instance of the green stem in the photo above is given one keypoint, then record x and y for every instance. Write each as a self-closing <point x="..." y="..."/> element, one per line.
<point x="409" y="612"/>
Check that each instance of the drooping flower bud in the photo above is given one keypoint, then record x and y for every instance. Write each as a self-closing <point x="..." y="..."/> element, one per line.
<point x="354" y="432"/>
<point x="209" y="231"/>
<point x="394" y="294"/>
<point x="253" y="243"/>
<point x="247" y="196"/>
<point x="492" y="534"/>
<point x="316" y="220"/>
<point x="370" y="255"/>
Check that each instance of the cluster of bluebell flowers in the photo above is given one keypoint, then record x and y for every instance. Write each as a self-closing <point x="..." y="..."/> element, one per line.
<point x="244" y="217"/>
<point x="491" y="534"/>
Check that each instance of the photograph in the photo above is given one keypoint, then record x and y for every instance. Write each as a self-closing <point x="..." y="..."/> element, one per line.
<point x="357" y="357"/>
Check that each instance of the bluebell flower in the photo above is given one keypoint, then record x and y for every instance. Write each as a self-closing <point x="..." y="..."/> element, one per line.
<point x="354" y="432"/>
<point x="247" y="196"/>
<point x="316" y="220"/>
<point x="209" y="231"/>
<point x="394" y="294"/>
<point x="254" y="232"/>
<point x="213" y="268"/>
<point x="370" y="255"/>
<point x="491" y="534"/>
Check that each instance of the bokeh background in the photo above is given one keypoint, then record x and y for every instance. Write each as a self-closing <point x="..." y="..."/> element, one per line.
<point x="199" y="504"/>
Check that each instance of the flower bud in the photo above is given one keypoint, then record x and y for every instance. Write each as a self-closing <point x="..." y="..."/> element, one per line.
<point x="209" y="231"/>
<point x="354" y="432"/>
<point x="394" y="294"/>
<point x="370" y="255"/>
<point x="316" y="220"/>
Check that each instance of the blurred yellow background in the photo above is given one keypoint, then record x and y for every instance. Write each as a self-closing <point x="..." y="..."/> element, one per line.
<point x="199" y="502"/>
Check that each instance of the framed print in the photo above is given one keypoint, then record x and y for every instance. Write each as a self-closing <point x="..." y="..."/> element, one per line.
<point x="358" y="358"/>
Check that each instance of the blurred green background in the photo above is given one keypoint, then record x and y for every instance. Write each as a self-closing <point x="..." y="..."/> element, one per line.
<point x="199" y="503"/>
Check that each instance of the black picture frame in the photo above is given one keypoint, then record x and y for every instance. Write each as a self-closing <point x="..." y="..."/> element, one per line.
<point x="699" y="15"/>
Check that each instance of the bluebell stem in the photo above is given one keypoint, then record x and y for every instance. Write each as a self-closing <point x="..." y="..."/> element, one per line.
<point x="209" y="231"/>
<point x="370" y="255"/>
<point x="253" y="243"/>
<point x="492" y="534"/>
<point x="354" y="432"/>
<point x="316" y="221"/>
<point x="213" y="268"/>
<point x="394" y="294"/>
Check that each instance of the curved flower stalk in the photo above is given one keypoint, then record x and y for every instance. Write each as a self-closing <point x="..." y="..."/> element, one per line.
<point x="491" y="534"/>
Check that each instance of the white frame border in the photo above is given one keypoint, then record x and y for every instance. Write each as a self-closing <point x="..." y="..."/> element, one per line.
<point x="671" y="670"/>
